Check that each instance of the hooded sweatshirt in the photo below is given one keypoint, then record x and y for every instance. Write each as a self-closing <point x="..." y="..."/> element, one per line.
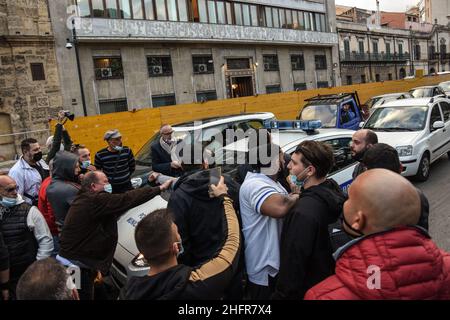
<point x="199" y="217"/>
<point x="305" y="248"/>
<point x="64" y="186"/>
<point x="206" y="282"/>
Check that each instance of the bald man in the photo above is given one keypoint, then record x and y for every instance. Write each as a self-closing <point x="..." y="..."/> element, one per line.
<point x="362" y="140"/>
<point x="164" y="159"/>
<point x="24" y="230"/>
<point x="389" y="257"/>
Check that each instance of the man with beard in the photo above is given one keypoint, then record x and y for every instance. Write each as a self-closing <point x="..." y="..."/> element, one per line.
<point x="361" y="141"/>
<point x="29" y="171"/>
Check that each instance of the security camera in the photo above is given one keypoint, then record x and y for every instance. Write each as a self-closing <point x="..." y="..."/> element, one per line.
<point x="69" y="45"/>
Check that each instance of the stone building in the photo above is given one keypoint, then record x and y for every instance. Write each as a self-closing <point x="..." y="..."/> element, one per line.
<point x="138" y="54"/>
<point x="29" y="81"/>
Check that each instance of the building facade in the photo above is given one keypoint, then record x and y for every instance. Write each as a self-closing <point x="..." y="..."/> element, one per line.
<point x="150" y="53"/>
<point x="435" y="11"/>
<point x="29" y="81"/>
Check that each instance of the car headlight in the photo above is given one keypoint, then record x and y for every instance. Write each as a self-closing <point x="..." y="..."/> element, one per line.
<point x="139" y="261"/>
<point x="404" y="151"/>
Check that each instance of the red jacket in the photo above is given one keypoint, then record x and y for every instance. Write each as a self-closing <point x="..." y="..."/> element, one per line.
<point x="45" y="207"/>
<point x="411" y="267"/>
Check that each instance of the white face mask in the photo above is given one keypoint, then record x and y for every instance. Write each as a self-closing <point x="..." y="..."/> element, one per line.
<point x="107" y="188"/>
<point x="11" y="202"/>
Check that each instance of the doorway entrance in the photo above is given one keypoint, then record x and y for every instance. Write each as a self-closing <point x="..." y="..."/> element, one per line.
<point x="241" y="86"/>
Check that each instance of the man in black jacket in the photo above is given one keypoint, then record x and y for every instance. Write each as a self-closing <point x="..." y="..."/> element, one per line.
<point x="164" y="158"/>
<point x="157" y="238"/>
<point x="4" y="269"/>
<point x="306" y="254"/>
<point x="89" y="237"/>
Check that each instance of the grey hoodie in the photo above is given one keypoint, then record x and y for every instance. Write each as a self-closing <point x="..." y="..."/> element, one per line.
<point x="64" y="186"/>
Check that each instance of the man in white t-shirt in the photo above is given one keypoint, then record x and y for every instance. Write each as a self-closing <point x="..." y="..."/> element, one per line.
<point x="263" y="202"/>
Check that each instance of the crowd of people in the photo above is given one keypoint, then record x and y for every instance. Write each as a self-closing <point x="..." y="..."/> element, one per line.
<point x="281" y="230"/>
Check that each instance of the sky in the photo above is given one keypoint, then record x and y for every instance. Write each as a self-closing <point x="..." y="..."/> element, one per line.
<point x="385" y="5"/>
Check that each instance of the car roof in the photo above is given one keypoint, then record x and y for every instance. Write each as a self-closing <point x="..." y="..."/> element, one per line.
<point x="329" y="99"/>
<point x="424" y="87"/>
<point x="389" y="95"/>
<point x="287" y="138"/>
<point x="410" y="102"/>
<point x="213" y="121"/>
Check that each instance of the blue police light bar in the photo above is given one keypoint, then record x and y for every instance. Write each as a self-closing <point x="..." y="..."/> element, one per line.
<point x="305" y="125"/>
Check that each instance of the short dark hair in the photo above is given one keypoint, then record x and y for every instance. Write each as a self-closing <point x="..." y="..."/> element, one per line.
<point x="45" y="279"/>
<point x="89" y="178"/>
<point x="153" y="236"/>
<point x="382" y="156"/>
<point x="25" y="144"/>
<point x="371" y="137"/>
<point x="318" y="154"/>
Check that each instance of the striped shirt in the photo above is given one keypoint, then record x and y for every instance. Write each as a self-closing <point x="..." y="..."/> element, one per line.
<point x="118" y="166"/>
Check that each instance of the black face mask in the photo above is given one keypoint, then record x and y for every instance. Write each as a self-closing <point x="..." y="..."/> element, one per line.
<point x="344" y="222"/>
<point x="37" y="156"/>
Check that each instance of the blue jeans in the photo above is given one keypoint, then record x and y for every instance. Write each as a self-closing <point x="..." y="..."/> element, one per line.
<point x="55" y="246"/>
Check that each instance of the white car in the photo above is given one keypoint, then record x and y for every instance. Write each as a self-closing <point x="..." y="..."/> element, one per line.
<point x="446" y="87"/>
<point x="418" y="128"/>
<point x="127" y="261"/>
<point x="382" y="99"/>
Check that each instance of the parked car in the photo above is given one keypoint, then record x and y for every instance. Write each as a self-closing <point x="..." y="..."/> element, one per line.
<point x="127" y="260"/>
<point x="382" y="99"/>
<point x="418" y="128"/>
<point x="329" y="109"/>
<point x="446" y="87"/>
<point x="427" y="92"/>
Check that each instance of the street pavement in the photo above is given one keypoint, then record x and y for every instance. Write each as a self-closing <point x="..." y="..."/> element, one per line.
<point x="437" y="190"/>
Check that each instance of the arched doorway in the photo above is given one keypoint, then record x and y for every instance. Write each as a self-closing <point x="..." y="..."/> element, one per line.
<point x="402" y="73"/>
<point x="7" y="150"/>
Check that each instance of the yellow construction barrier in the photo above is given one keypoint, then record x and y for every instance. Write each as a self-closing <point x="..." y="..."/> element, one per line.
<point x="138" y="126"/>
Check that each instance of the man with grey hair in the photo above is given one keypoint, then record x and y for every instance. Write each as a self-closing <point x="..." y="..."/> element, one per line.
<point x="46" y="280"/>
<point x="164" y="159"/>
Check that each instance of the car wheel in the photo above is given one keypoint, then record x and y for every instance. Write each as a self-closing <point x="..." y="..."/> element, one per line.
<point x="424" y="168"/>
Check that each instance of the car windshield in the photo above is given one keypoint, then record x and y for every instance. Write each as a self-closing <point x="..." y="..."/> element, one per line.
<point x="397" y="119"/>
<point x="422" y="92"/>
<point x="144" y="156"/>
<point x="445" y="86"/>
<point x="325" y="113"/>
<point x="369" y="103"/>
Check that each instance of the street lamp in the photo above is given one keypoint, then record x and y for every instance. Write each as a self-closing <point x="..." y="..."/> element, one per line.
<point x="69" y="45"/>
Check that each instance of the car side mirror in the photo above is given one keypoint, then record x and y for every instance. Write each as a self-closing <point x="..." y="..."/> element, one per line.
<point x="438" y="125"/>
<point x="361" y="124"/>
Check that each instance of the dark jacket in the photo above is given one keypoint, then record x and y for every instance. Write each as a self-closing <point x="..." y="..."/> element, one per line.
<point x="90" y="230"/>
<point x="305" y="248"/>
<point x="64" y="186"/>
<point x="199" y="217"/>
<point x="4" y="255"/>
<point x="411" y="267"/>
<point x="59" y="135"/>
<point x="161" y="161"/>
<point x="206" y="282"/>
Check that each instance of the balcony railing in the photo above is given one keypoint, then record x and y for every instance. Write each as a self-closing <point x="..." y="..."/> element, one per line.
<point x="439" y="56"/>
<point x="366" y="57"/>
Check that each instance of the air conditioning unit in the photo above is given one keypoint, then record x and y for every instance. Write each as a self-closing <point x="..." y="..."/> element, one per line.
<point x="106" y="72"/>
<point x="202" y="68"/>
<point x="266" y="66"/>
<point x="156" y="69"/>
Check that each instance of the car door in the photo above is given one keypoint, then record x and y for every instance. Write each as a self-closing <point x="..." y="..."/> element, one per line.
<point x="445" y="108"/>
<point x="344" y="163"/>
<point x="437" y="136"/>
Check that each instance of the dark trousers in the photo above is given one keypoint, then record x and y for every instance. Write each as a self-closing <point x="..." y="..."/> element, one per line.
<point x="121" y="188"/>
<point x="87" y="278"/>
<point x="256" y="292"/>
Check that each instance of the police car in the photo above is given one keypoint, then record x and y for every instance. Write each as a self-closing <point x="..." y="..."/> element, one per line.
<point x="287" y="134"/>
<point x="418" y="128"/>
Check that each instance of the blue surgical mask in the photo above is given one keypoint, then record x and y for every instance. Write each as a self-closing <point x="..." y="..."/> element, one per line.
<point x="299" y="183"/>
<point x="9" y="202"/>
<point x="118" y="148"/>
<point x="85" y="164"/>
<point x="108" y="188"/>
